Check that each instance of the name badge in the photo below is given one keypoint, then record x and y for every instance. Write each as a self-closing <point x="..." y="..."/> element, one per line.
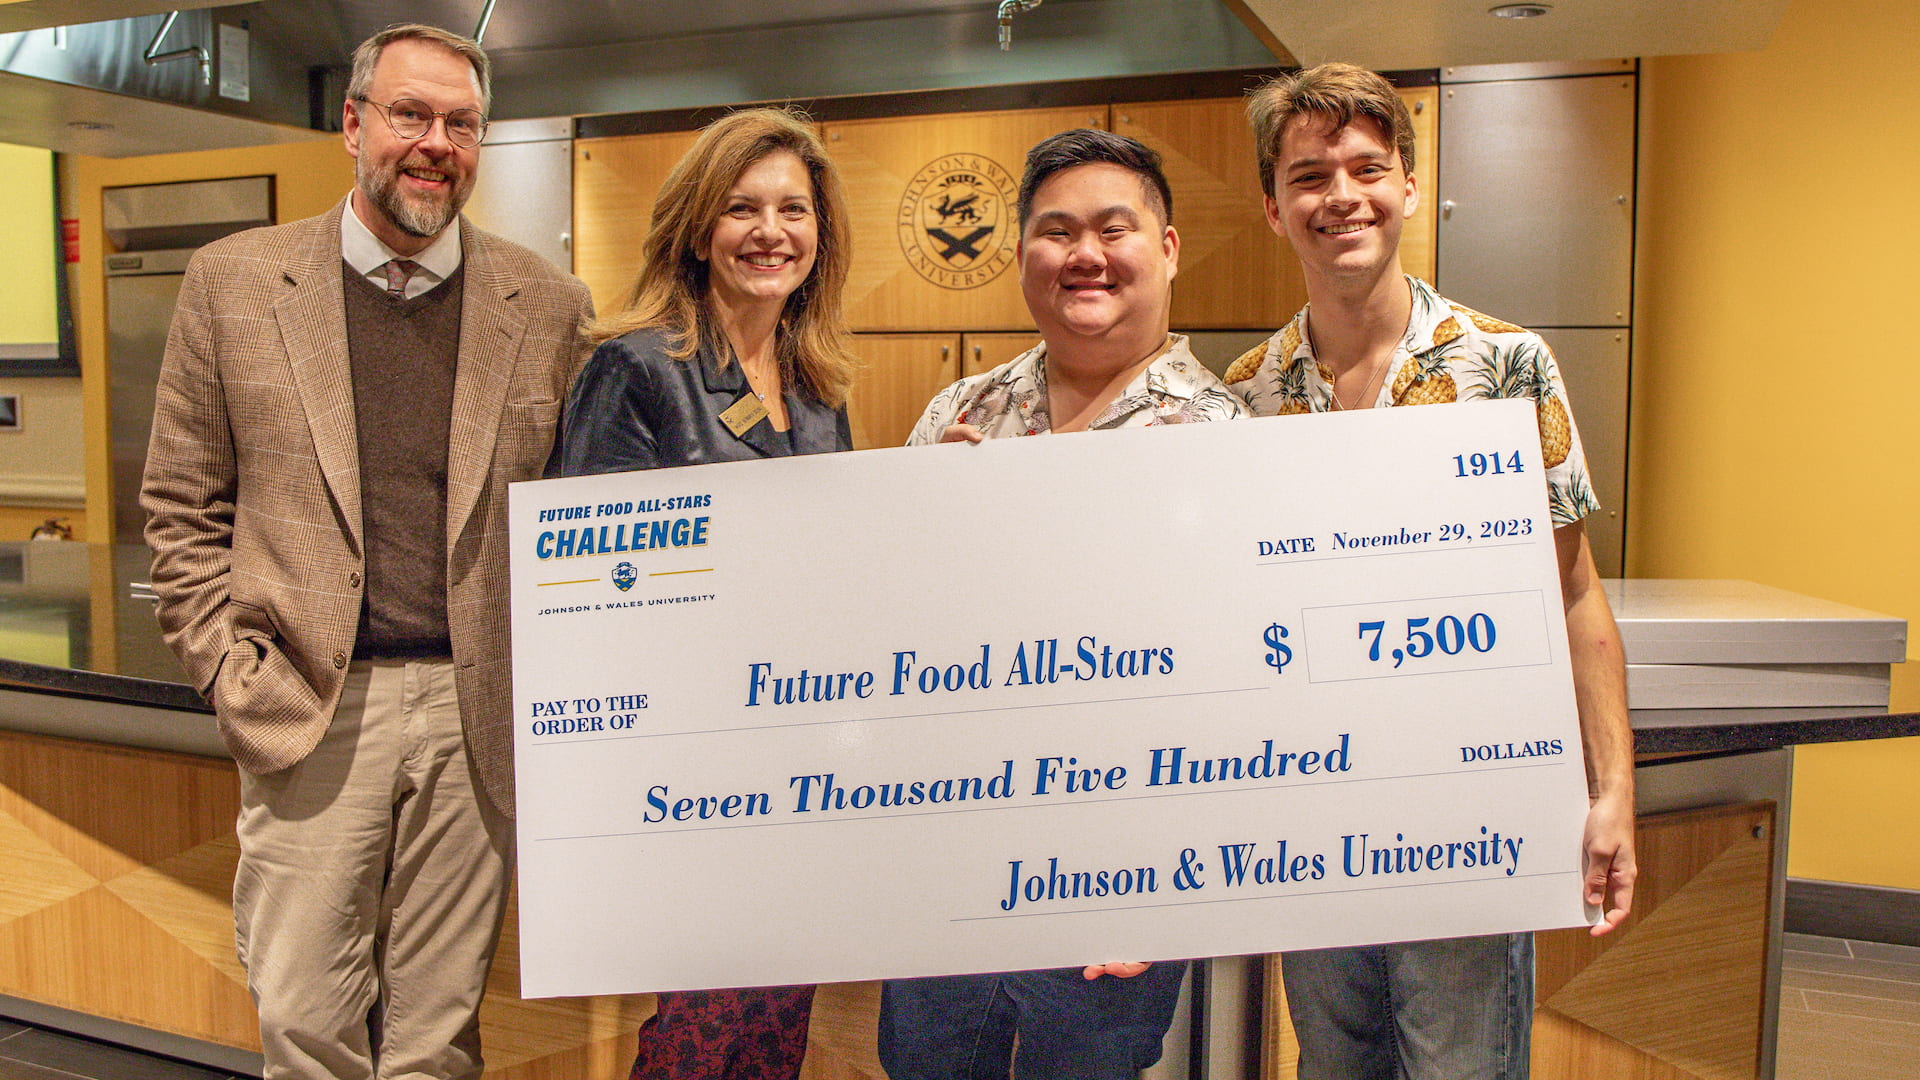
<point x="743" y="414"/>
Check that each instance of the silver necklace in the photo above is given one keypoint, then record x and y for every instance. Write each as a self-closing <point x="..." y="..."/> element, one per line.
<point x="1366" y="391"/>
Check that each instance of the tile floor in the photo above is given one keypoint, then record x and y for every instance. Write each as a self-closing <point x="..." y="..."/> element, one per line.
<point x="1849" y="1010"/>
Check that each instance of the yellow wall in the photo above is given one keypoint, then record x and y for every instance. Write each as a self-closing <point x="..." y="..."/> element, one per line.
<point x="28" y="313"/>
<point x="310" y="178"/>
<point x="1776" y="392"/>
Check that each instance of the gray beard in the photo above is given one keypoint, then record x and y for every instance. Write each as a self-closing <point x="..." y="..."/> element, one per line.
<point x="424" y="220"/>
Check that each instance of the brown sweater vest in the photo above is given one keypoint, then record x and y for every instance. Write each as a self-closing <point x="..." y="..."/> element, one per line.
<point x="403" y="354"/>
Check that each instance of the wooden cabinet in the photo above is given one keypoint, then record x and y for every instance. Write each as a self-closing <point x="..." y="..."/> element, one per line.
<point x="900" y="373"/>
<point x="615" y="181"/>
<point x="984" y="352"/>
<point x="934" y="224"/>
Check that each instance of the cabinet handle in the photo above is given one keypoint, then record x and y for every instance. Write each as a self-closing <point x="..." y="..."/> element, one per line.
<point x="1446" y="208"/>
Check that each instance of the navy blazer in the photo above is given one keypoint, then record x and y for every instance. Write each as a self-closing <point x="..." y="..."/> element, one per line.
<point x="635" y="407"/>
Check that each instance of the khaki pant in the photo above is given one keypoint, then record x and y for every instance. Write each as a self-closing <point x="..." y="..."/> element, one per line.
<point x="372" y="881"/>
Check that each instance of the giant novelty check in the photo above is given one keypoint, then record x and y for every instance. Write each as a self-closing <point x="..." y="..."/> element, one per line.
<point x="1130" y="695"/>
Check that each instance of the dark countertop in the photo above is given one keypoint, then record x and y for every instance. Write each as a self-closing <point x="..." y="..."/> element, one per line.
<point x="72" y="624"/>
<point x="1665" y="731"/>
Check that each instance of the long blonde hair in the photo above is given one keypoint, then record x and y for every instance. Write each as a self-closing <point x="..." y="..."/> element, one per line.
<point x="671" y="290"/>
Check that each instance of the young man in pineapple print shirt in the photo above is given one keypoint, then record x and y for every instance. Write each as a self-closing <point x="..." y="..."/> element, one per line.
<point x="1335" y="147"/>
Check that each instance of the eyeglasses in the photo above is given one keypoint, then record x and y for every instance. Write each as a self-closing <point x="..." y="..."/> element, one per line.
<point x="411" y="119"/>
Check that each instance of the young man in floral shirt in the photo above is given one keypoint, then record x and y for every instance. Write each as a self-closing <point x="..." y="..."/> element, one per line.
<point x="1335" y="147"/>
<point x="1098" y="253"/>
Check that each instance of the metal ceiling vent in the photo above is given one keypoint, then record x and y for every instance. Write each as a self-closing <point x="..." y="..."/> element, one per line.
<point x="1008" y="9"/>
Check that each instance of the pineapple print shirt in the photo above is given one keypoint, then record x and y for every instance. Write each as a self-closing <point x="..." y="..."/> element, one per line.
<point x="1449" y="353"/>
<point x="1012" y="398"/>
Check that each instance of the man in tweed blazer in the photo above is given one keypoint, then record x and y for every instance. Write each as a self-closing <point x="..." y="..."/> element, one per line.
<point x="342" y="404"/>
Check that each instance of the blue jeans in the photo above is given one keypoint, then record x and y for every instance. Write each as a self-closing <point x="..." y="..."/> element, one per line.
<point x="1452" y="1009"/>
<point x="961" y="1027"/>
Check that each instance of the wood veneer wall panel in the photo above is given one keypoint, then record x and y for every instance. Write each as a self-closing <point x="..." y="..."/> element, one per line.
<point x="900" y="374"/>
<point x="1234" y="272"/>
<point x="1419" y="240"/>
<point x="957" y="174"/>
<point x="615" y="181"/>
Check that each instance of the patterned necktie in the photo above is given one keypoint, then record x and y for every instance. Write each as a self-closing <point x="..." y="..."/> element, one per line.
<point x="398" y="271"/>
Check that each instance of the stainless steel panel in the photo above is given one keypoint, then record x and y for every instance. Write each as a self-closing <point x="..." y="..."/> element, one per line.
<point x="1739" y="622"/>
<point x="609" y="63"/>
<point x="1545" y="69"/>
<point x="1758" y="686"/>
<point x="1594" y="364"/>
<point x="524" y="192"/>
<point x="168" y="261"/>
<point x="139" y="309"/>
<point x="1678" y="720"/>
<point x="115" y="723"/>
<point x="1216" y="349"/>
<point x="543" y="129"/>
<point x="1536" y="220"/>
<point x="184" y="215"/>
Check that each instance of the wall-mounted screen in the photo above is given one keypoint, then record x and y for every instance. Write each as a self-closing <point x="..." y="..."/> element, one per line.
<point x="36" y="327"/>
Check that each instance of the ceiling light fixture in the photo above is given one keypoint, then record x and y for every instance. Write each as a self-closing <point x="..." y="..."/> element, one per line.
<point x="1519" y="11"/>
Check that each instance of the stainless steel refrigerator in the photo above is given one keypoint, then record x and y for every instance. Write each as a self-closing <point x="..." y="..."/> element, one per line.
<point x="156" y="229"/>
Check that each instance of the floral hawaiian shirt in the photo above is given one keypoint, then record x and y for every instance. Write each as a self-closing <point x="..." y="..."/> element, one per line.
<point x="1449" y="353"/>
<point x="1012" y="398"/>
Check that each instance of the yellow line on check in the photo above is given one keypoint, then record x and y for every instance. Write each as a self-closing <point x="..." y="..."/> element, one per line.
<point x="580" y="581"/>
<point x="670" y="573"/>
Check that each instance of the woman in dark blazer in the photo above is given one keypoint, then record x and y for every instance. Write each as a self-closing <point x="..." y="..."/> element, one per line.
<point x="731" y="347"/>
